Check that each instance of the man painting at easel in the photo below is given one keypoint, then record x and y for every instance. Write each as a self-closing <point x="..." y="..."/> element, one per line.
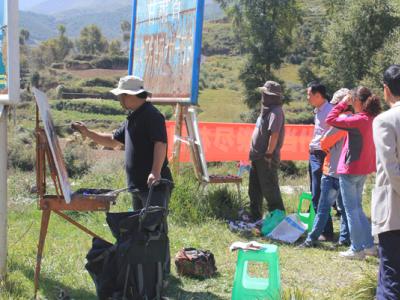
<point x="144" y="135"/>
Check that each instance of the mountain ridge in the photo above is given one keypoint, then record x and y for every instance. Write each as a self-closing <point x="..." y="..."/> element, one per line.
<point x="74" y="17"/>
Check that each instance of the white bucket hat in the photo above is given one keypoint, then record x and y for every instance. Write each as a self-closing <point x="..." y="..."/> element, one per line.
<point x="130" y="85"/>
<point x="339" y="95"/>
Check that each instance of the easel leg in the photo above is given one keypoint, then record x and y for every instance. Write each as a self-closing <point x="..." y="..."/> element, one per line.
<point x="202" y="187"/>
<point x="42" y="238"/>
<point x="177" y="142"/>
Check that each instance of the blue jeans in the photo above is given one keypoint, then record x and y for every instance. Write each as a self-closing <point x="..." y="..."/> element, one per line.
<point x="344" y="236"/>
<point x="329" y="193"/>
<point x="315" y="171"/>
<point x="351" y="187"/>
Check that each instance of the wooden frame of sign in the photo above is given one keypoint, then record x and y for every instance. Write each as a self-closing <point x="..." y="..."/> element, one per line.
<point x="57" y="203"/>
<point x="197" y="155"/>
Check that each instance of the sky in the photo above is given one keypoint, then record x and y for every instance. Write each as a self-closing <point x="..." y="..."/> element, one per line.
<point x="27" y="4"/>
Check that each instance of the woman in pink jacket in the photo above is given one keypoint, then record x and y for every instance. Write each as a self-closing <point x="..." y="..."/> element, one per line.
<point x="357" y="160"/>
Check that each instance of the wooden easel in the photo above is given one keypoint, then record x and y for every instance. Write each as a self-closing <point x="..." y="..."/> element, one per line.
<point x="187" y="114"/>
<point x="56" y="203"/>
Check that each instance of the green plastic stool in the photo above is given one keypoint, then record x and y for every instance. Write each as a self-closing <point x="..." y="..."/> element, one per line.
<point x="308" y="217"/>
<point x="253" y="288"/>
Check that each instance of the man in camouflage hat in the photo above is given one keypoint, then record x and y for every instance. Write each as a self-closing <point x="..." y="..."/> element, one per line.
<point x="267" y="141"/>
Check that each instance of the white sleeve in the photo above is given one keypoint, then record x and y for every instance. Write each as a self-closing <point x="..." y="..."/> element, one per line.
<point x="386" y="151"/>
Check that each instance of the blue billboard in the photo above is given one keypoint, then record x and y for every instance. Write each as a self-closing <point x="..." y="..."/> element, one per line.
<point x="166" y="47"/>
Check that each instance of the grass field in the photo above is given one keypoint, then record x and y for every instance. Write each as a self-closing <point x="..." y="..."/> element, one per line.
<point x="221" y="105"/>
<point x="195" y="219"/>
<point x="306" y="274"/>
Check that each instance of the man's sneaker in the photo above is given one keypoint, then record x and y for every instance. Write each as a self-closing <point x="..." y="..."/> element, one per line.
<point x="350" y="254"/>
<point x="308" y="244"/>
<point x="373" y="251"/>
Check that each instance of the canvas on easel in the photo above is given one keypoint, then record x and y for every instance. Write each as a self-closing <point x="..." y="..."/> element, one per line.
<point x="44" y="111"/>
<point x="198" y="156"/>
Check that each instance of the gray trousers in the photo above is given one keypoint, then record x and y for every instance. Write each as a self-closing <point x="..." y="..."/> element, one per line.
<point x="264" y="184"/>
<point x="158" y="198"/>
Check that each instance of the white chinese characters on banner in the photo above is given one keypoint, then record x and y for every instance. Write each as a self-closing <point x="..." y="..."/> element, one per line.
<point x="162" y="9"/>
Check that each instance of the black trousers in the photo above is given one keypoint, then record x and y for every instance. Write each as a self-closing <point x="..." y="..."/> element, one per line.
<point x="389" y="266"/>
<point x="264" y="184"/>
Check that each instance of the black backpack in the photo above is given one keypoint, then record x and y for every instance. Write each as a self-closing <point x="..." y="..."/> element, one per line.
<point x="133" y="268"/>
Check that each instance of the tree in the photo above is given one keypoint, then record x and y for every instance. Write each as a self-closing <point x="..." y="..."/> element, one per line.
<point x="389" y="54"/>
<point x="52" y="50"/>
<point x="265" y="32"/>
<point x="24" y="54"/>
<point x="114" y="48"/>
<point x="357" y="31"/>
<point x="23" y="36"/>
<point x="126" y="34"/>
<point x="64" y="44"/>
<point x="91" y="41"/>
<point x="126" y="30"/>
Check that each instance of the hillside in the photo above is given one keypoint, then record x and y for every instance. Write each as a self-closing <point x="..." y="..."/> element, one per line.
<point x="42" y="19"/>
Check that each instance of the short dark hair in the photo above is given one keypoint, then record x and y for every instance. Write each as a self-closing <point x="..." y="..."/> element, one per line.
<point x="317" y="87"/>
<point x="391" y="78"/>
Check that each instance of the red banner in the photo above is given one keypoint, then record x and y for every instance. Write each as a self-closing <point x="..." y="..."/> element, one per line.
<point x="231" y="141"/>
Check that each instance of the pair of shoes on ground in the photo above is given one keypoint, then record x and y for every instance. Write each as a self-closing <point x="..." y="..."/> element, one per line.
<point x="359" y="255"/>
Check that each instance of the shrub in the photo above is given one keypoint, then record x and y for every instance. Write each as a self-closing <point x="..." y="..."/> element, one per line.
<point x="26" y="96"/>
<point x="21" y="155"/>
<point x="78" y="65"/>
<point x="187" y="205"/>
<point x="84" y="57"/>
<point x="77" y="159"/>
<point x="58" y="66"/>
<point x="99" y="82"/>
<point x="249" y="116"/>
<point x="221" y="203"/>
<point x="63" y="92"/>
<point x="184" y="202"/>
<point x="111" y="62"/>
<point x="88" y="107"/>
<point x="219" y="38"/>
